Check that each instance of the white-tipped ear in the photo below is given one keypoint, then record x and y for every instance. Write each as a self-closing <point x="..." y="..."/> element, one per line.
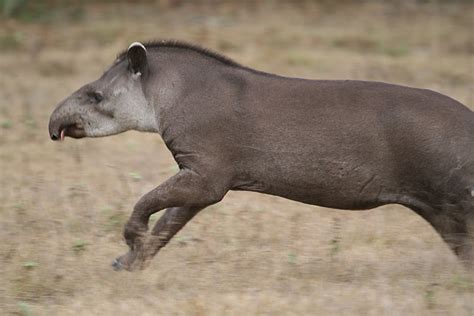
<point x="137" y="44"/>
<point x="137" y="59"/>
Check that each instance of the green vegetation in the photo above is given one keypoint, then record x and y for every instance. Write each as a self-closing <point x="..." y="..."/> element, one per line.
<point x="79" y="246"/>
<point x="135" y="176"/>
<point x="30" y="264"/>
<point x="24" y="309"/>
<point x="6" y="124"/>
<point x="11" y="41"/>
<point x="42" y="11"/>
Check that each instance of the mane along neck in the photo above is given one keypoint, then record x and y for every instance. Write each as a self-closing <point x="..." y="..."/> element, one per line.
<point x="184" y="45"/>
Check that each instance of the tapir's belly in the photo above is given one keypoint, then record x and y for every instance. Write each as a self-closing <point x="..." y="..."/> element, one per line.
<point x="360" y="170"/>
<point x="337" y="183"/>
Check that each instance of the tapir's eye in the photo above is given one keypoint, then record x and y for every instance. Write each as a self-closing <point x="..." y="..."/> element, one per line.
<point x="95" y="96"/>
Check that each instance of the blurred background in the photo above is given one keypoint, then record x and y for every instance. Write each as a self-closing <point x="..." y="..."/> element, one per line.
<point x="62" y="206"/>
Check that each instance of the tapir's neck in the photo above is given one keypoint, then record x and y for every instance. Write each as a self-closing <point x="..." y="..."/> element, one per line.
<point x="178" y="81"/>
<point x="146" y="120"/>
<point x="182" y="82"/>
<point x="142" y="114"/>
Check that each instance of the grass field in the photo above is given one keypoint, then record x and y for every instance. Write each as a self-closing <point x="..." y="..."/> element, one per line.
<point x="62" y="206"/>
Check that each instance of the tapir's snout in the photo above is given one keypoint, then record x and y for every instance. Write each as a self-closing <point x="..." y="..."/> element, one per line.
<point x="54" y="136"/>
<point x="65" y="122"/>
<point x="54" y="126"/>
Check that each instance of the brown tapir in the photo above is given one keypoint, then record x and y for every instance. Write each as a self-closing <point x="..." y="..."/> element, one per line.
<point x="342" y="144"/>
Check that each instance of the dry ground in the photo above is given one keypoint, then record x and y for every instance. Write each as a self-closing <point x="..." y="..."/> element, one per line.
<point x="63" y="205"/>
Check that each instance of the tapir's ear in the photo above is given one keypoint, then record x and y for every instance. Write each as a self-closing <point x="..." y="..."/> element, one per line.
<point x="136" y="56"/>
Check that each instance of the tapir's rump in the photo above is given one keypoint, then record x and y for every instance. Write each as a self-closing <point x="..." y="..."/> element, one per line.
<point x="341" y="144"/>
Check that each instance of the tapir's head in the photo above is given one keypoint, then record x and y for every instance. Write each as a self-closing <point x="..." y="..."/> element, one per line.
<point x="112" y="104"/>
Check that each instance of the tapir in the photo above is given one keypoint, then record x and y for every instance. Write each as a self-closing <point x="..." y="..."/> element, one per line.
<point x="340" y="144"/>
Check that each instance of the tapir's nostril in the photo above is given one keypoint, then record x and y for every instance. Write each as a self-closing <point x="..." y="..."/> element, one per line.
<point x="54" y="136"/>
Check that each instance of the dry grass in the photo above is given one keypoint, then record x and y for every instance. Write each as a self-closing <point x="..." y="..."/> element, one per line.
<point x="63" y="206"/>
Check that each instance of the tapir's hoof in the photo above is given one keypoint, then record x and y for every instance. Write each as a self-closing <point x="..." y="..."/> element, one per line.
<point x="125" y="262"/>
<point x="117" y="265"/>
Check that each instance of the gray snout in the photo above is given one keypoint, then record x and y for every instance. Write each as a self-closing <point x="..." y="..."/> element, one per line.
<point x="65" y="121"/>
<point x="55" y="126"/>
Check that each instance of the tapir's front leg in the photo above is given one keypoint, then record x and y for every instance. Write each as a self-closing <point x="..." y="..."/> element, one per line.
<point x="167" y="226"/>
<point x="187" y="189"/>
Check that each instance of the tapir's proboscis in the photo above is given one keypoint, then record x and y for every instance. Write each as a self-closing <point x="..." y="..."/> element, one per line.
<point x="343" y="144"/>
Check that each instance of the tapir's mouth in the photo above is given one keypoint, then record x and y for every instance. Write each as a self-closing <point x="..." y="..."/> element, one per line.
<point x="75" y="130"/>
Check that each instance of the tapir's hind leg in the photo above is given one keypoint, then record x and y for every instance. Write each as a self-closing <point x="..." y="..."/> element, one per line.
<point x="458" y="234"/>
<point x="456" y="227"/>
<point x="466" y="252"/>
<point x="462" y="214"/>
<point x="465" y="249"/>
